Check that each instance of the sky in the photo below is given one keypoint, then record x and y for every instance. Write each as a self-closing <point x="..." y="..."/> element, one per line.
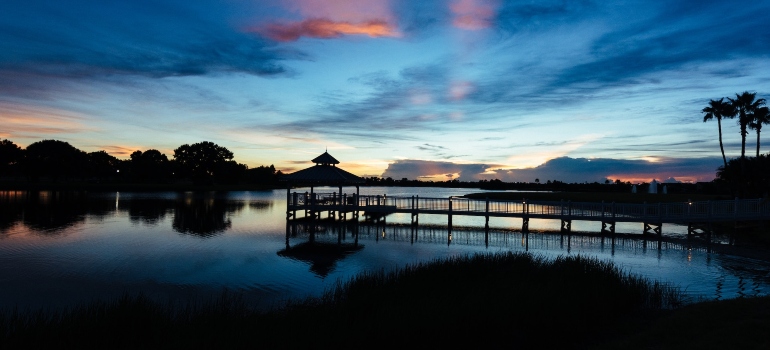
<point x="573" y="91"/>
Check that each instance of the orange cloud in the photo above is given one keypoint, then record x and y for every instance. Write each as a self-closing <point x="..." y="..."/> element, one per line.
<point x="473" y="14"/>
<point x="121" y="151"/>
<point x="326" y="29"/>
<point x="26" y="121"/>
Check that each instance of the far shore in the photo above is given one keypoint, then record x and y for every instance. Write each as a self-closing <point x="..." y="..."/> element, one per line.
<point x="607" y="197"/>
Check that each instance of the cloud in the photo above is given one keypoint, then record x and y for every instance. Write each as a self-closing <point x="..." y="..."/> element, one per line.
<point x="473" y="14"/>
<point x="566" y="169"/>
<point x="598" y="169"/>
<point x="327" y="29"/>
<point x="432" y="170"/>
<point x="29" y="123"/>
<point x="83" y="39"/>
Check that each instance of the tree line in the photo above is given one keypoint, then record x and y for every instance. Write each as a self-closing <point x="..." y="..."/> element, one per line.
<point x="202" y="163"/>
<point x="746" y="175"/>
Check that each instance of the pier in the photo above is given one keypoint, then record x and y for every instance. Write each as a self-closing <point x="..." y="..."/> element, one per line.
<point x="698" y="216"/>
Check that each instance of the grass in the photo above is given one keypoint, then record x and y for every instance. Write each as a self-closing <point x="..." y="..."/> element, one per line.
<point x="493" y="300"/>
<point x="618" y="197"/>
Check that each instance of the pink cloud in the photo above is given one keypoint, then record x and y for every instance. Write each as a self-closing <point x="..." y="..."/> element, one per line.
<point x="458" y="90"/>
<point x="473" y="14"/>
<point x="344" y="10"/>
<point x="326" y="29"/>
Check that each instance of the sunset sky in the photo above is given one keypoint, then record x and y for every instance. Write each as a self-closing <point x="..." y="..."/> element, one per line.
<point x="516" y="90"/>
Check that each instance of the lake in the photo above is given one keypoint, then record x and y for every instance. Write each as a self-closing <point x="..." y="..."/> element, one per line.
<point x="60" y="249"/>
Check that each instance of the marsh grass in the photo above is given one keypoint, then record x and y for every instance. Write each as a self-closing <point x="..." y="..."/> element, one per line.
<point x="468" y="300"/>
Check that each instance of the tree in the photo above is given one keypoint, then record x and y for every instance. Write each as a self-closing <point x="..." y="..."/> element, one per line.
<point x="755" y="181"/>
<point x="10" y="156"/>
<point x="150" y="165"/>
<point x="745" y="105"/>
<point x="758" y="118"/>
<point x="719" y="109"/>
<point x="201" y="160"/>
<point x="54" y="158"/>
<point x="103" y="165"/>
<point x="263" y="175"/>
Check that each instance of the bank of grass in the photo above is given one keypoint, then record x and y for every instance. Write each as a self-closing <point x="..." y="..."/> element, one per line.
<point x="607" y="197"/>
<point x="511" y="300"/>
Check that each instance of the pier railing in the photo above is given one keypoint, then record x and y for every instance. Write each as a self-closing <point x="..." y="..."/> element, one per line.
<point x="677" y="212"/>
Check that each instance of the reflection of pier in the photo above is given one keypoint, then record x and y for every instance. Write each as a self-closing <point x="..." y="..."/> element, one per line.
<point x="351" y="233"/>
<point x="698" y="216"/>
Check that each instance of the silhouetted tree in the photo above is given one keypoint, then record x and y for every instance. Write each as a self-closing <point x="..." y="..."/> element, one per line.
<point x="150" y="165"/>
<point x="758" y="118"/>
<point x="719" y="109"/>
<point x="755" y="181"/>
<point x="102" y="165"/>
<point x="201" y="160"/>
<point x="54" y="159"/>
<point x="10" y="156"/>
<point x="264" y="175"/>
<point x="229" y="172"/>
<point x="745" y="105"/>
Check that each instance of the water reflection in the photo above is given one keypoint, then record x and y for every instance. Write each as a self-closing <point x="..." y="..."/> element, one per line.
<point x="681" y="261"/>
<point x="204" y="215"/>
<point x="99" y="245"/>
<point x="146" y="210"/>
<point x="52" y="212"/>
<point x="324" y="253"/>
<point x="48" y="212"/>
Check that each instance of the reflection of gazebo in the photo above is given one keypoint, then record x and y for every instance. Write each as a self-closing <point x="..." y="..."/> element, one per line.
<point x="321" y="256"/>
<point x="324" y="173"/>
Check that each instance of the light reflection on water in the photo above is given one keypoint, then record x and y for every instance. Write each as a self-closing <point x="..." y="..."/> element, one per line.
<point x="61" y="248"/>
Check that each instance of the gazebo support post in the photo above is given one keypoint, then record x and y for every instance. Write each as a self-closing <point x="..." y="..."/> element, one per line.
<point x="288" y="201"/>
<point x="312" y="203"/>
<point x="356" y="203"/>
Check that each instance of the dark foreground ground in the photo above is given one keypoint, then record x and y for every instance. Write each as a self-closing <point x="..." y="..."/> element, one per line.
<point x="510" y="300"/>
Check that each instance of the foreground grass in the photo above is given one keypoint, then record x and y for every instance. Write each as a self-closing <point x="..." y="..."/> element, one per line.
<point x="608" y="197"/>
<point x="511" y="300"/>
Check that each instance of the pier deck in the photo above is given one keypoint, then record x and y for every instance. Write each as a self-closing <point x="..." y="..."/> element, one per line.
<point x="697" y="215"/>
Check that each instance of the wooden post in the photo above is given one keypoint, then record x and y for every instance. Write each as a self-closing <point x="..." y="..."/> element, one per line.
<point x="450" y="213"/>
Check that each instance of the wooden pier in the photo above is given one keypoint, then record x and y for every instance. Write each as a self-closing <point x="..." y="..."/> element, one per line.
<point x="698" y="216"/>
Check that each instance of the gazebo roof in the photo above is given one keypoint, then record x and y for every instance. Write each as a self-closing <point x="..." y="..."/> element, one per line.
<point x="324" y="172"/>
<point x="325" y="159"/>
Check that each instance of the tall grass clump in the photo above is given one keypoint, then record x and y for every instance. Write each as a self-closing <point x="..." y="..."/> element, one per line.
<point x="468" y="297"/>
<point x="521" y="299"/>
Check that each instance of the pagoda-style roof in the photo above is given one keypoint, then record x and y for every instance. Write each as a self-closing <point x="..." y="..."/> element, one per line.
<point x="323" y="172"/>
<point x="325" y="159"/>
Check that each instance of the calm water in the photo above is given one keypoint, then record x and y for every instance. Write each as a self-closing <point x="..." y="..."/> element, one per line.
<point x="63" y="248"/>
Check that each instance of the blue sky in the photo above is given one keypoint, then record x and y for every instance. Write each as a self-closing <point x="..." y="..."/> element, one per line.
<point x="470" y="89"/>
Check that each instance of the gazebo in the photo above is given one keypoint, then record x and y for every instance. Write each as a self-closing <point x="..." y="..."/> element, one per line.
<point x="324" y="173"/>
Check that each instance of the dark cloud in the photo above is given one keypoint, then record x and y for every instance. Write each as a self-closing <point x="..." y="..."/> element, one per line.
<point x="682" y="34"/>
<point x="389" y="107"/>
<point x="77" y="39"/>
<point x="598" y="169"/>
<point x="417" y="169"/>
<point x="566" y="169"/>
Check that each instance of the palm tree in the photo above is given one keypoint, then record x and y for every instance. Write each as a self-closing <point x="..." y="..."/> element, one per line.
<point x="719" y="109"/>
<point x="745" y="105"/>
<point x="759" y="117"/>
